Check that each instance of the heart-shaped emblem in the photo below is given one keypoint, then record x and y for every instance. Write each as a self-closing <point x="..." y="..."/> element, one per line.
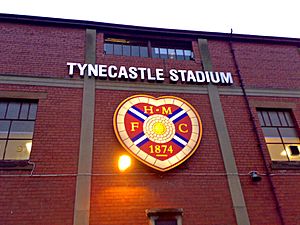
<point x="160" y="132"/>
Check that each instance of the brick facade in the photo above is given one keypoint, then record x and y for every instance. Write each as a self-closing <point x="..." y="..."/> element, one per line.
<point x="39" y="52"/>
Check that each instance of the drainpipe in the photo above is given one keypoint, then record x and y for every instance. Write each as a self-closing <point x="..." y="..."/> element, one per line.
<point x="260" y="144"/>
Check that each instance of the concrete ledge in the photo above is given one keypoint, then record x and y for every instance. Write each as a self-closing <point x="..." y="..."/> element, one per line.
<point x="157" y="87"/>
<point x="23" y="95"/>
<point x="40" y="81"/>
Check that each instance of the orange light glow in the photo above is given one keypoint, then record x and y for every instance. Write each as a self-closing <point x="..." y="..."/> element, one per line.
<point x="124" y="162"/>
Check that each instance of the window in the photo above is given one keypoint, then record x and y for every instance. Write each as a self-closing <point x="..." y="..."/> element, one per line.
<point x="145" y="49"/>
<point x="165" y="216"/>
<point x="280" y="134"/>
<point x="178" y="50"/>
<point x="17" y="120"/>
<point x="118" y="46"/>
<point x="170" y="53"/>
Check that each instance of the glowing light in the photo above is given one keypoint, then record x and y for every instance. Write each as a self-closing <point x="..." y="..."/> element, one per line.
<point x="124" y="162"/>
<point x="28" y="146"/>
<point x="285" y="153"/>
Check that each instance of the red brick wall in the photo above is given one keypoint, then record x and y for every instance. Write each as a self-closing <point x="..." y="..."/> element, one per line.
<point x="47" y="197"/>
<point x="269" y="65"/>
<point x="41" y="51"/>
<point x="123" y="199"/>
<point x="37" y="200"/>
<point x="199" y="185"/>
<point x="261" y="65"/>
<point x="259" y="198"/>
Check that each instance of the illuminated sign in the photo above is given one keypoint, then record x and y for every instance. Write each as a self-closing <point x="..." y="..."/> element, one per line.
<point x="160" y="132"/>
<point x="113" y="72"/>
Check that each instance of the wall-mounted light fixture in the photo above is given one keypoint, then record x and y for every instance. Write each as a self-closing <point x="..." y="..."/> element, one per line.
<point x="124" y="162"/>
<point x="255" y="177"/>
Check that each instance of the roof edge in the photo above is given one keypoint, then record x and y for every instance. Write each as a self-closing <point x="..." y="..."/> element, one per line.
<point x="151" y="30"/>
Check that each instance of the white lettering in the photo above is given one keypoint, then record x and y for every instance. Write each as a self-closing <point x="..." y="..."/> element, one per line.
<point x="149" y="75"/>
<point x="142" y="72"/>
<point x="215" y="79"/>
<point x="133" y="73"/>
<point x="182" y="73"/>
<point x="207" y="76"/>
<point x="102" y="70"/>
<point x="71" y="68"/>
<point x="92" y="69"/>
<point x="200" y="76"/>
<point x="159" y="74"/>
<point x="173" y="75"/>
<point x="81" y="68"/>
<point x="122" y="72"/>
<point x="226" y="79"/>
<point x="112" y="71"/>
<point x="190" y="76"/>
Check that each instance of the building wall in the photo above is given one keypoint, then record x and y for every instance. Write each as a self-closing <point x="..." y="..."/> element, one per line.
<point x="40" y="51"/>
<point x="47" y="197"/>
<point x="189" y="186"/>
<point x="262" y="65"/>
<point x="34" y="61"/>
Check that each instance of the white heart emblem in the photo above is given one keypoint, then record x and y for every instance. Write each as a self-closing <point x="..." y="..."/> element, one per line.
<point x="160" y="132"/>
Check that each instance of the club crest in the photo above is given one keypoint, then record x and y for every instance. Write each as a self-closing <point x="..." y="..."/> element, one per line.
<point x="160" y="132"/>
